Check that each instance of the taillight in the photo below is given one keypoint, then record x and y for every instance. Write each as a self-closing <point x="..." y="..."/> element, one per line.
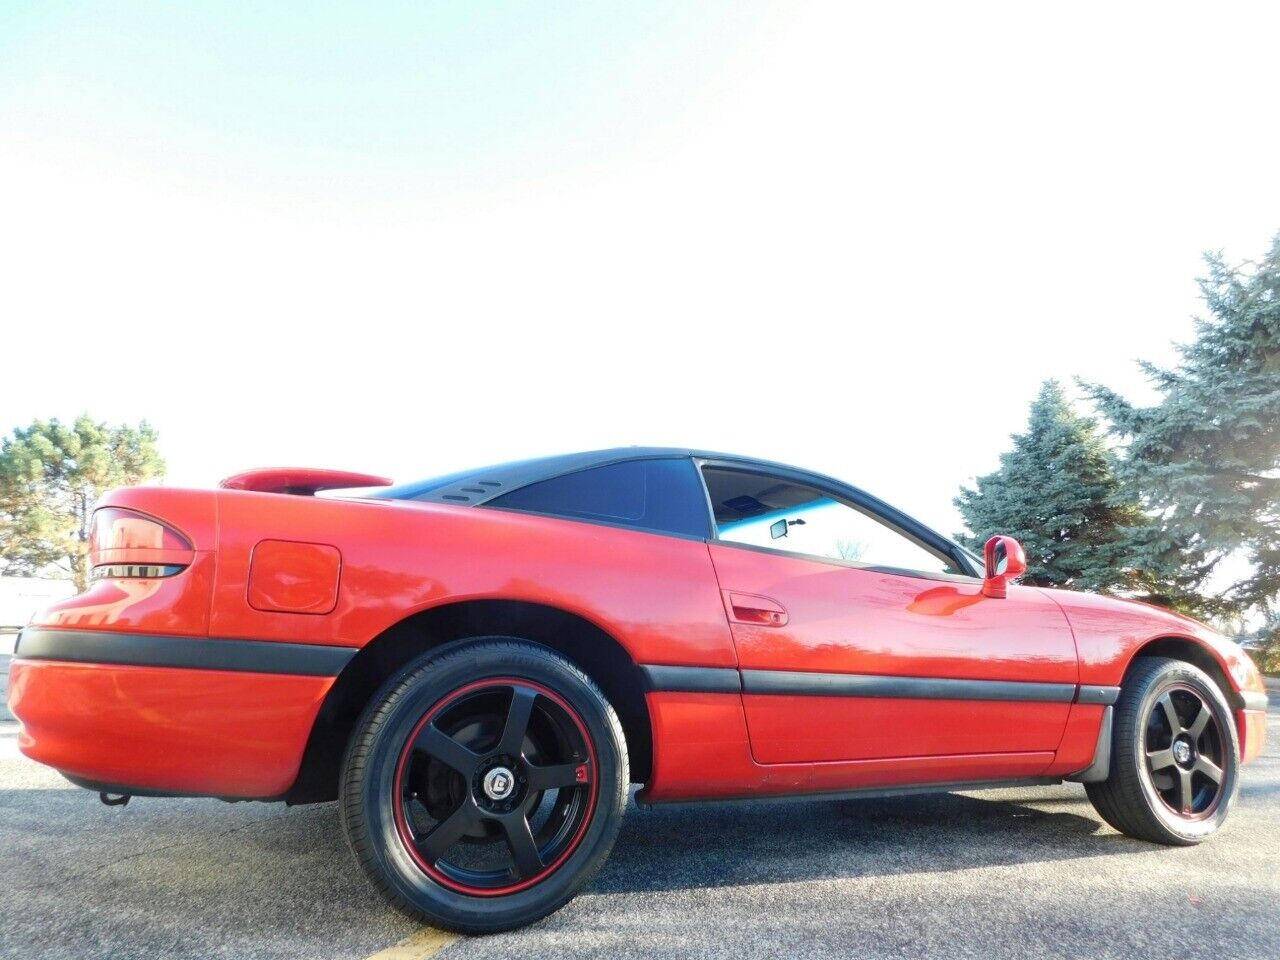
<point x="127" y="544"/>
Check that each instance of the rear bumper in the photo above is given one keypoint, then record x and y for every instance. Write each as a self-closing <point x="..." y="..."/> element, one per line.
<point x="208" y="717"/>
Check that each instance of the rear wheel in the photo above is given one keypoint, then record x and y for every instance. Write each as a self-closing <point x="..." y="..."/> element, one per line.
<point x="485" y="785"/>
<point x="1175" y="756"/>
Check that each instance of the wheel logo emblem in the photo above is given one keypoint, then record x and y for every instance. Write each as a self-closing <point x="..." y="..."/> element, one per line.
<point x="1182" y="751"/>
<point x="498" y="783"/>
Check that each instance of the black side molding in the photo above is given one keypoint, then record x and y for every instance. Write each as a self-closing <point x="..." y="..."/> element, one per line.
<point x="1103" y="695"/>
<point x="190" y="653"/>
<point x="691" y="679"/>
<point x="909" y="688"/>
<point x="794" y="683"/>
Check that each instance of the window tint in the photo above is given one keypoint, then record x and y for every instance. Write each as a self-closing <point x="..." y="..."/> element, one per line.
<point x="766" y="511"/>
<point x="660" y="495"/>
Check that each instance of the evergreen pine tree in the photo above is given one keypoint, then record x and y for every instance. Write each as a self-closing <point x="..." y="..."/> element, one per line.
<point x="1205" y="460"/>
<point x="1056" y="492"/>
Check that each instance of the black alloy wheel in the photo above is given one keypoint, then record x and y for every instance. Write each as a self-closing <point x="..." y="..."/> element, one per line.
<point x="495" y="786"/>
<point x="1185" y="753"/>
<point x="485" y="785"/>
<point x="1175" y="755"/>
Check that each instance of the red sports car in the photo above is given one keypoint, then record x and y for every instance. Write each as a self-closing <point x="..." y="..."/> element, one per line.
<point x="477" y="666"/>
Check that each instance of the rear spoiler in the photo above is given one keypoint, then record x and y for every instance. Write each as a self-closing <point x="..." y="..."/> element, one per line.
<point x="301" y="481"/>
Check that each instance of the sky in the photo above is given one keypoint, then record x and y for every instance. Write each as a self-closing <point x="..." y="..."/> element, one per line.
<point x="410" y="238"/>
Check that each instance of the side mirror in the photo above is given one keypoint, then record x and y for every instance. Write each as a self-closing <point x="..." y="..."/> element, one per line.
<point x="1005" y="561"/>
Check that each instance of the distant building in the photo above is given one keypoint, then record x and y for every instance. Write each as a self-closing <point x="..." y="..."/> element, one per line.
<point x="20" y="597"/>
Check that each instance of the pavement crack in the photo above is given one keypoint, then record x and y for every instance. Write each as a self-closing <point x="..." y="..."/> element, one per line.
<point x="177" y="845"/>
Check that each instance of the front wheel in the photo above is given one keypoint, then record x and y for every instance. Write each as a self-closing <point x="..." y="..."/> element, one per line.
<point x="1175" y="758"/>
<point x="485" y="785"/>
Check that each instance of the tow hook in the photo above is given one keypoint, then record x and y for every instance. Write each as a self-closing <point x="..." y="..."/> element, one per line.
<point x="115" y="799"/>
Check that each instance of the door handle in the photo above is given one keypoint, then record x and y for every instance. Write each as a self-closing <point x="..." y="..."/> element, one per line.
<point x="757" y="611"/>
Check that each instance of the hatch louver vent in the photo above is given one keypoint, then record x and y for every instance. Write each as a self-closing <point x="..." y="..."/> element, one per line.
<point x="476" y="490"/>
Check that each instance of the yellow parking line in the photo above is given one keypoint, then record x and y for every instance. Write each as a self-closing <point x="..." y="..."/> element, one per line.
<point x="427" y="942"/>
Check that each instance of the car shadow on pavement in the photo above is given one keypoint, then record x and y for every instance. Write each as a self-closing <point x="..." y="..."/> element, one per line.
<point x="247" y="850"/>
<point x="267" y="881"/>
<point x="719" y="844"/>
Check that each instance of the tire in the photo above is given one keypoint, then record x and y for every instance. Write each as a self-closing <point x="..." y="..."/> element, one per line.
<point x="484" y="785"/>
<point x="1157" y="790"/>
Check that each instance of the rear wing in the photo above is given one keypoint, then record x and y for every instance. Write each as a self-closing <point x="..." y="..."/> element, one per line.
<point x="301" y="481"/>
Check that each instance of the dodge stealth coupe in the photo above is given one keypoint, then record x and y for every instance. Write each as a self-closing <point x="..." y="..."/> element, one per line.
<point x="478" y="666"/>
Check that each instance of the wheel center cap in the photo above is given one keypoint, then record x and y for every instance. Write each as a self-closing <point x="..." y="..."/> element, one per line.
<point x="499" y="783"/>
<point x="1182" y="751"/>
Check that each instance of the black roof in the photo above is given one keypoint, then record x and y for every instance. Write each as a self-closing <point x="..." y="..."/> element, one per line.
<point x="473" y="487"/>
<point x="486" y="483"/>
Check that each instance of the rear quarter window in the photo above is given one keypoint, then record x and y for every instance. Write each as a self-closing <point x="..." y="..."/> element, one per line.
<point x="663" y="496"/>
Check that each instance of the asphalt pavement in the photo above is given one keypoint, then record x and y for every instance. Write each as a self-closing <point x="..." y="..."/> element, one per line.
<point x="1012" y="873"/>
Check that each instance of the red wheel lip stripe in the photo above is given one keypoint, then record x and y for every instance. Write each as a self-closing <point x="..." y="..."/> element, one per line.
<point x="402" y="825"/>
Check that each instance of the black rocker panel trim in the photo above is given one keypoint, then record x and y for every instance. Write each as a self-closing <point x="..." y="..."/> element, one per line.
<point x="862" y="793"/>
<point x="908" y="688"/>
<point x="191" y="653"/>
<point x="691" y="679"/>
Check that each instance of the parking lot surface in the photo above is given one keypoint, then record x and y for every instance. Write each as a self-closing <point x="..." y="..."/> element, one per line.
<point x="1010" y="873"/>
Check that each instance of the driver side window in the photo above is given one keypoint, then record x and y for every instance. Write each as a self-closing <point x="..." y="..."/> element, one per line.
<point x="760" y="510"/>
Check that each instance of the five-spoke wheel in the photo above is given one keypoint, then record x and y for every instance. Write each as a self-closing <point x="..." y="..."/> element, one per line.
<point x="1175" y="755"/>
<point x="1184" y="752"/>
<point x="495" y="786"/>
<point x="485" y="785"/>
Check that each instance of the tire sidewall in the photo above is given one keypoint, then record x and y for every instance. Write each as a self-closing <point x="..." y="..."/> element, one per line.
<point x="1175" y="674"/>
<point x="415" y="691"/>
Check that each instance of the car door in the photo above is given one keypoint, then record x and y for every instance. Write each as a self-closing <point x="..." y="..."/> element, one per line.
<point x="861" y="638"/>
